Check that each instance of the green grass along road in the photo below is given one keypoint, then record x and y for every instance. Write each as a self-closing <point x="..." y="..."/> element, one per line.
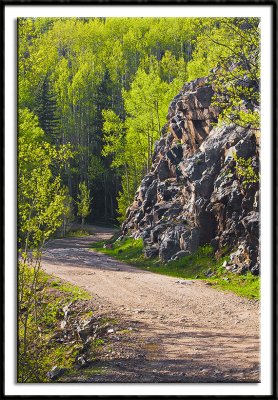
<point x="195" y="266"/>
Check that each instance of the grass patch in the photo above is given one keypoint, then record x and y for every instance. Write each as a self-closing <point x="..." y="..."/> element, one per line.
<point x="75" y="292"/>
<point x="72" y="375"/>
<point x="196" y="266"/>
<point x="131" y="251"/>
<point x="124" y="332"/>
<point x="78" y="233"/>
<point x="244" y="285"/>
<point x="124" y="250"/>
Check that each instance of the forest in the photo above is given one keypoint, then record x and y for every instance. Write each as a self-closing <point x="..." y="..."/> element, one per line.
<point x="93" y="99"/>
<point x="93" y="96"/>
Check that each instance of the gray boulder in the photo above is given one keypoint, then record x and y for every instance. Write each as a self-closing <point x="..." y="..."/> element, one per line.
<point x="194" y="194"/>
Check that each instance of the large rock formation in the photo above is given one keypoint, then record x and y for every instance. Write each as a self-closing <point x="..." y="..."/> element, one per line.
<point x="194" y="193"/>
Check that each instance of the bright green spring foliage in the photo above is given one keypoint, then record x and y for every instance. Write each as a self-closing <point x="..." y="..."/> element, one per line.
<point x="104" y="85"/>
<point x="131" y="142"/>
<point x="193" y="266"/>
<point x="83" y="201"/>
<point x="40" y="315"/>
<point x="71" y="69"/>
<point x="245" y="171"/>
<point x="42" y="206"/>
<point x="231" y="46"/>
<point x="41" y="195"/>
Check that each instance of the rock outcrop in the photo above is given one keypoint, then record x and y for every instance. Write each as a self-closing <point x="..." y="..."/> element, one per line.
<point x="195" y="193"/>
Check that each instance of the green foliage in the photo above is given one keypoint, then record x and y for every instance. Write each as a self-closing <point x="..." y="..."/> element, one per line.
<point x="194" y="266"/>
<point x="114" y="138"/>
<point x="84" y="201"/>
<point x="146" y="105"/>
<point x="41" y="196"/>
<point x="131" y="142"/>
<point x="104" y="85"/>
<point x="73" y="292"/>
<point x="233" y="46"/>
<point x="42" y="207"/>
<point x="78" y="233"/>
<point x="68" y="213"/>
<point x="96" y="169"/>
<point x="71" y="69"/>
<point x="93" y="95"/>
<point x="124" y="199"/>
<point x="39" y="319"/>
<point x="244" y="285"/>
<point x="131" y="251"/>
<point x="245" y="171"/>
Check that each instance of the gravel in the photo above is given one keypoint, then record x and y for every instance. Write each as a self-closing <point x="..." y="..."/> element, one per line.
<point x="203" y="334"/>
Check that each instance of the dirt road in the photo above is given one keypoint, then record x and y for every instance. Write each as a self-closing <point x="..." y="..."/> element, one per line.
<point x="181" y="331"/>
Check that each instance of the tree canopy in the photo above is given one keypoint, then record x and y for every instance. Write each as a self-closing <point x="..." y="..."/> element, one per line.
<point x="103" y="85"/>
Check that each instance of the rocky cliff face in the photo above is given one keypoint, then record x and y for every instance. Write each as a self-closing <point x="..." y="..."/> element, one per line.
<point x="194" y="193"/>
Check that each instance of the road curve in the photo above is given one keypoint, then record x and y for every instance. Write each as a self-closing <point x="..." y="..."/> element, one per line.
<point x="189" y="331"/>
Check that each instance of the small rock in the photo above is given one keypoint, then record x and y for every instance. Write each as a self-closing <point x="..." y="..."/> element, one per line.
<point x="151" y="252"/>
<point x="54" y="373"/>
<point x="63" y="324"/>
<point x="180" y="254"/>
<point x="81" y="361"/>
<point x="107" y="246"/>
<point x="89" y="339"/>
<point x="66" y="309"/>
<point x="209" y="273"/>
<point x="110" y="330"/>
<point x="186" y="282"/>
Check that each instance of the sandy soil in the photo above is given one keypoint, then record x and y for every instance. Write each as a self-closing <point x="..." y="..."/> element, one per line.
<point x="181" y="331"/>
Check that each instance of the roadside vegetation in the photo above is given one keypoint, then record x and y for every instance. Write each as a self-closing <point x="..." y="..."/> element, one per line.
<point x="39" y="325"/>
<point x="79" y="232"/>
<point x="58" y="333"/>
<point x="200" y="265"/>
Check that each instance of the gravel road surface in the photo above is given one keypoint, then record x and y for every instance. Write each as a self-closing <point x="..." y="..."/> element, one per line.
<point x="183" y="330"/>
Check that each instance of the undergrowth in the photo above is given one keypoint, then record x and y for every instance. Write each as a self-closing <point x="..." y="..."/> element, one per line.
<point x="78" y="233"/>
<point x="39" y="324"/>
<point x="200" y="265"/>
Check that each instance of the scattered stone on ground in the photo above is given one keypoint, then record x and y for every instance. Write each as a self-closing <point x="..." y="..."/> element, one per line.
<point x="177" y="329"/>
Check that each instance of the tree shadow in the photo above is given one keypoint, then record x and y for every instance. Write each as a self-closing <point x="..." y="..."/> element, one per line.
<point x="76" y="253"/>
<point x="216" y="360"/>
